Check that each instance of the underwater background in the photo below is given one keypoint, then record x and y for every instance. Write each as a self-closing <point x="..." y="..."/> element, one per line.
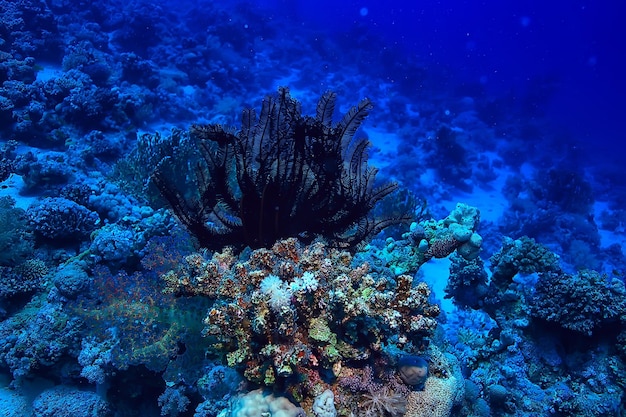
<point x="332" y="208"/>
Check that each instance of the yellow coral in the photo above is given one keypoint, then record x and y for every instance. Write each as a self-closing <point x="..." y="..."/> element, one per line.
<point x="436" y="400"/>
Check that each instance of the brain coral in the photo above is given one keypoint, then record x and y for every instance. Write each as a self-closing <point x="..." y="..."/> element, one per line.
<point x="441" y="392"/>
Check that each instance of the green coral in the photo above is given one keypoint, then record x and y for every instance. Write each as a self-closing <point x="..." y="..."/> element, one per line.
<point x="319" y="330"/>
<point x="432" y="238"/>
<point x="149" y="325"/>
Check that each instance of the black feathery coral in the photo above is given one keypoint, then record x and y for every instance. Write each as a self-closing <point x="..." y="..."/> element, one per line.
<point x="383" y="402"/>
<point x="281" y="175"/>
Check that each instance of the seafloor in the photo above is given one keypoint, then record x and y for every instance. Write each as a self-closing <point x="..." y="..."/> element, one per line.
<point x="514" y="299"/>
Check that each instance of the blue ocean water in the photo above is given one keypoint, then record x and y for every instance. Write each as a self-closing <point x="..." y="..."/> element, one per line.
<point x="423" y="192"/>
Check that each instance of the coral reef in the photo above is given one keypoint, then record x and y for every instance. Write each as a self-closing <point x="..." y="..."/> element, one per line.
<point x="430" y="238"/>
<point x="112" y="244"/>
<point x="62" y="219"/>
<point x="216" y="386"/>
<point x="173" y="402"/>
<point x="82" y="271"/>
<point x="520" y="256"/>
<point x="324" y="405"/>
<point x="538" y="314"/>
<point x="27" y="277"/>
<point x="441" y="392"/>
<point x="7" y="156"/>
<point x="556" y="208"/>
<point x="294" y="315"/>
<point x="384" y="402"/>
<point x="130" y="317"/>
<point x="36" y="338"/>
<point x="132" y="172"/>
<point x="467" y="282"/>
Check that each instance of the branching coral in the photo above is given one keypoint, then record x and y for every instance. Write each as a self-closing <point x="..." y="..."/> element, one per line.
<point x="303" y="310"/>
<point x="280" y="175"/>
<point x="432" y="238"/>
<point x="521" y="255"/>
<point x="582" y="302"/>
<point x="467" y="282"/>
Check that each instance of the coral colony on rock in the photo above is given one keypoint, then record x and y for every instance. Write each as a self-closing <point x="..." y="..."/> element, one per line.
<point x="397" y="258"/>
